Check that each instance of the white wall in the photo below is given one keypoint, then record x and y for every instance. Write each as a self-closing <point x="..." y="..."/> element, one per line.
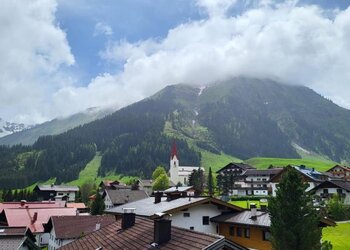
<point x="108" y="202"/>
<point x="334" y="191"/>
<point x="196" y="218"/>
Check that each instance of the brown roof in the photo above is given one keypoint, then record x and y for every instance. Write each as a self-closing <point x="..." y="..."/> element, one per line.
<point x="32" y="204"/>
<point x="72" y="227"/>
<point x="258" y="172"/>
<point x="262" y="219"/>
<point x="140" y="236"/>
<point x="242" y="166"/>
<point x="122" y="196"/>
<point x="334" y="183"/>
<point x="339" y="166"/>
<point x="245" y="218"/>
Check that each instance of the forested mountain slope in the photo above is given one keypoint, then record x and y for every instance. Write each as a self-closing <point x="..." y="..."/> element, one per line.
<point x="242" y="117"/>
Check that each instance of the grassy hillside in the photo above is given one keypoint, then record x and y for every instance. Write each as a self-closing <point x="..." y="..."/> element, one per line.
<point x="339" y="236"/>
<point x="90" y="172"/>
<point x="261" y="163"/>
<point x="216" y="161"/>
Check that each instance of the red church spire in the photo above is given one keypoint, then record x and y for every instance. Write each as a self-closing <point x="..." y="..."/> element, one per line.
<point x="173" y="151"/>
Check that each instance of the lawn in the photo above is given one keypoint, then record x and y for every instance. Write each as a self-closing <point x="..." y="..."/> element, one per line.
<point x="263" y="163"/>
<point x="338" y="235"/>
<point x="216" y="161"/>
<point x="245" y="204"/>
<point x="89" y="174"/>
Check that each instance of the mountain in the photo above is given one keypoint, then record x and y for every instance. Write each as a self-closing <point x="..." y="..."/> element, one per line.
<point x="242" y="117"/>
<point x="8" y="128"/>
<point x="29" y="135"/>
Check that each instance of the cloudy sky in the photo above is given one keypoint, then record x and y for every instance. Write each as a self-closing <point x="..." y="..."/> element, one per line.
<point x="59" y="57"/>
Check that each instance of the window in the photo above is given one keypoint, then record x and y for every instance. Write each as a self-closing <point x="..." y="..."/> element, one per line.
<point x="191" y="228"/>
<point x="239" y="232"/>
<point x="232" y="230"/>
<point x="266" y="235"/>
<point x="246" y="232"/>
<point x="186" y="214"/>
<point x="339" y="191"/>
<point x="205" y="220"/>
<point x="325" y="191"/>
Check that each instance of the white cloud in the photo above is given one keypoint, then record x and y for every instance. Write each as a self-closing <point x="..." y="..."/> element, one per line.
<point x="103" y="29"/>
<point x="291" y="43"/>
<point x="297" y="45"/>
<point x="32" y="49"/>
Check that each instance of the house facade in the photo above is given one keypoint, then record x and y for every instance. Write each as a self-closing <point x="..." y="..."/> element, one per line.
<point x="56" y="192"/>
<point x="341" y="172"/>
<point x="327" y="189"/>
<point x="192" y="213"/>
<point x="255" y="182"/>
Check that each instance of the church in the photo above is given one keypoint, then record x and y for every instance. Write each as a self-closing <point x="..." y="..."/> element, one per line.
<point x="180" y="173"/>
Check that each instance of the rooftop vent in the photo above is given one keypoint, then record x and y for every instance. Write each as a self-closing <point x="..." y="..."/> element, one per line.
<point x="158" y="197"/>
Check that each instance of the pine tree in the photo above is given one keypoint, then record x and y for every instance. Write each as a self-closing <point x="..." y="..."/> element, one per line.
<point x="210" y="183"/>
<point x="98" y="205"/>
<point x="294" y="222"/>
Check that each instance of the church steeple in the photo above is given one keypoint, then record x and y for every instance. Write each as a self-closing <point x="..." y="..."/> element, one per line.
<point x="174" y="151"/>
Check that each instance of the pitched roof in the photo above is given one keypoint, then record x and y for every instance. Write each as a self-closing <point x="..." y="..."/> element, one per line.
<point x="147" y="207"/>
<point x="258" y="172"/>
<point x="243" y="166"/>
<point x="146" y="183"/>
<point x="140" y="236"/>
<point x="310" y="173"/>
<point x="173" y="151"/>
<point x="335" y="183"/>
<point x="57" y="188"/>
<point x="14" y="237"/>
<point x="339" y="166"/>
<point x="245" y="218"/>
<point x="36" y="204"/>
<point x="25" y="216"/>
<point x="262" y="219"/>
<point x="72" y="227"/>
<point x="122" y="196"/>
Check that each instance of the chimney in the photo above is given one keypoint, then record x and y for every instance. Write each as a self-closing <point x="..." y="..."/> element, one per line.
<point x="98" y="226"/>
<point x="158" y="197"/>
<point x="263" y="208"/>
<point x="35" y="217"/>
<point x="23" y="203"/>
<point x="162" y="230"/>
<point x="253" y="211"/>
<point x="128" y="218"/>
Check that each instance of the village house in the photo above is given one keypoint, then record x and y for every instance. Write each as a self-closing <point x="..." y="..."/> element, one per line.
<point x="180" y="174"/>
<point x="108" y="184"/>
<point x="309" y="175"/>
<point x="329" y="188"/>
<point x="341" y="172"/>
<point x="146" y="185"/>
<point x="250" y="228"/>
<point x="65" y="229"/>
<point x="56" y="192"/>
<point x="119" y="197"/>
<point x="234" y="168"/>
<point x="255" y="182"/>
<point x="33" y="218"/>
<point x="19" y="238"/>
<point x="131" y="232"/>
<point x="193" y="213"/>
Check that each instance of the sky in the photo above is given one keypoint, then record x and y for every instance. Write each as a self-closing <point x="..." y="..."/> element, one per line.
<point x="60" y="57"/>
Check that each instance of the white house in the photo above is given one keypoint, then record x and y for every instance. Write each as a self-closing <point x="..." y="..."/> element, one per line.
<point x="180" y="173"/>
<point x="65" y="229"/>
<point x="192" y="213"/>
<point x="329" y="188"/>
